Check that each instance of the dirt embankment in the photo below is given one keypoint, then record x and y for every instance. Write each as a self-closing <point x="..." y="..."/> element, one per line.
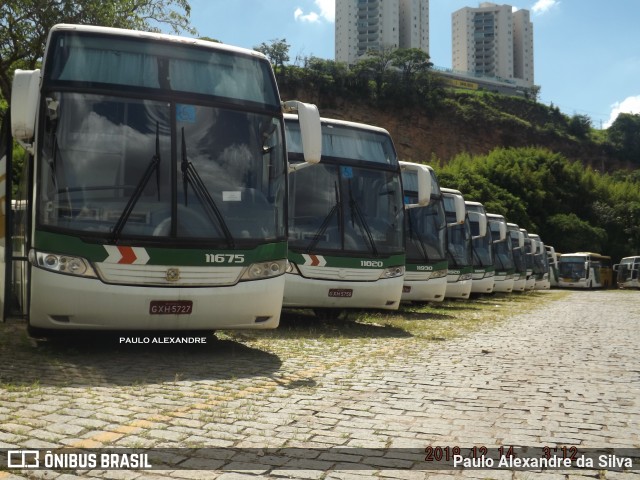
<point x="439" y="135"/>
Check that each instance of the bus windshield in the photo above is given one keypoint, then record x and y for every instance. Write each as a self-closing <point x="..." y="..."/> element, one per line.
<point x="459" y="245"/>
<point x="426" y="231"/>
<point x="502" y="249"/>
<point x="337" y="207"/>
<point x="572" y="267"/>
<point x="482" y="252"/>
<point x="158" y="165"/>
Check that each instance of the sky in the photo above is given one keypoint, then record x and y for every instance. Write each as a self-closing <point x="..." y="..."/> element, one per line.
<point x="586" y="52"/>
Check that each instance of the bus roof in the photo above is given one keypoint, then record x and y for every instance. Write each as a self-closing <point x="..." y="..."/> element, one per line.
<point x="450" y="191"/>
<point x="122" y="32"/>
<point x="402" y="162"/>
<point x="344" y="123"/>
<point x="586" y="254"/>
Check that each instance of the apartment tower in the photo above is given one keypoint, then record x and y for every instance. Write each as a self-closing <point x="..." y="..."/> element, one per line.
<point x="362" y="25"/>
<point x="493" y="40"/>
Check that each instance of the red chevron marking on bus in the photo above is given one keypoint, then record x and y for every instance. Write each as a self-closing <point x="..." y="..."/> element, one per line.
<point x="128" y="255"/>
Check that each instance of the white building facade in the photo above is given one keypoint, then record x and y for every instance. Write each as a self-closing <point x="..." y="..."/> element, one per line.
<point x="494" y="41"/>
<point x="362" y="25"/>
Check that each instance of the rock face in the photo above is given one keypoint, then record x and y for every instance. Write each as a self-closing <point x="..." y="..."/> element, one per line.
<point x="439" y="134"/>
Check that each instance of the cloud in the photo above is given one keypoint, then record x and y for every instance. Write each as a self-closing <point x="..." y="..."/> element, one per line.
<point x="312" y="17"/>
<point x="327" y="12"/>
<point x="543" y="6"/>
<point x="628" y="105"/>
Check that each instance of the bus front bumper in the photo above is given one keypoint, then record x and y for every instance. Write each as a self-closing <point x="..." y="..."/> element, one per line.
<point x="301" y="292"/>
<point x="432" y="290"/>
<point x="459" y="289"/>
<point x="68" y="302"/>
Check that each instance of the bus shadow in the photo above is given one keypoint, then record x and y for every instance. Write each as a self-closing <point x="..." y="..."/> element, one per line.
<point x="103" y="359"/>
<point x="427" y="316"/>
<point x="304" y="324"/>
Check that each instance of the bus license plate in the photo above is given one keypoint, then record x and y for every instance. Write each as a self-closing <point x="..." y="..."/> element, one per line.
<point x="340" y="292"/>
<point x="170" y="307"/>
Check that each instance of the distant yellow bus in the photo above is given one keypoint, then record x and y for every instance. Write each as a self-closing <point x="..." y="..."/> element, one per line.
<point x="584" y="270"/>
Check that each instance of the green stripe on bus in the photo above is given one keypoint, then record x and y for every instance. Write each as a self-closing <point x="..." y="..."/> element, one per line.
<point x="349" y="262"/>
<point x="70" y="245"/>
<point x="427" y="267"/>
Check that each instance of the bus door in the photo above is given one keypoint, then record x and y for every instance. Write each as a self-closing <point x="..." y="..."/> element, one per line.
<point x="14" y="229"/>
<point x="6" y="148"/>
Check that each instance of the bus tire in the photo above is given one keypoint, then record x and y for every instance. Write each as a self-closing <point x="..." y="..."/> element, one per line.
<point x="327" y="313"/>
<point x="35" y="332"/>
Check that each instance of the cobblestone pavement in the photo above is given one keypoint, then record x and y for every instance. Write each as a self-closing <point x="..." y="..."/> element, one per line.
<point x="566" y="373"/>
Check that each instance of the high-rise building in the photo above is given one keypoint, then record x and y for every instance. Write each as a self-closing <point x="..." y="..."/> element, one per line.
<point x="362" y="25"/>
<point x="493" y="40"/>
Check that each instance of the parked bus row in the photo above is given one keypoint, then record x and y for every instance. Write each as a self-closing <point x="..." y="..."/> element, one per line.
<point x="167" y="187"/>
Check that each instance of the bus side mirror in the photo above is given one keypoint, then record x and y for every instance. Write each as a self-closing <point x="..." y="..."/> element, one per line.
<point x="24" y="105"/>
<point x="503" y="231"/>
<point x="461" y="211"/>
<point x="615" y="267"/>
<point x="521" y="239"/>
<point x="424" y="183"/>
<point x="481" y="218"/>
<point x="483" y="225"/>
<point x="310" y="129"/>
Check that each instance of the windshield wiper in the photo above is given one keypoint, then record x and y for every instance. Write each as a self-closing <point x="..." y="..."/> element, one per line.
<point x="154" y="164"/>
<point x="325" y="223"/>
<point x="190" y="176"/>
<point x="355" y="208"/>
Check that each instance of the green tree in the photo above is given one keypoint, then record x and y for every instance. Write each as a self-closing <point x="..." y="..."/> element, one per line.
<point x="375" y="65"/>
<point x="624" y="135"/>
<point x="569" y="233"/>
<point x="24" y="25"/>
<point x="580" y="125"/>
<point x="410" y="61"/>
<point x="277" y="51"/>
<point x="571" y="207"/>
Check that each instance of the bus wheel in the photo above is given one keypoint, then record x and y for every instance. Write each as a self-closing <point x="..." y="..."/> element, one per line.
<point x="327" y="313"/>
<point x="35" y="332"/>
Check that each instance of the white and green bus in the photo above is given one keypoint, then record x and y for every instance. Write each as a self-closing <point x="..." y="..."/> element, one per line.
<point x="540" y="263"/>
<point x="155" y="187"/>
<point x="483" y="263"/>
<point x="502" y="254"/>
<point x="628" y="272"/>
<point x="459" y="254"/>
<point x="425" y="279"/>
<point x="346" y="220"/>
<point x="517" y="243"/>
<point x="529" y="252"/>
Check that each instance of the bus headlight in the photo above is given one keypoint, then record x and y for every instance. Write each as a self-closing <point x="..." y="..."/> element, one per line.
<point x="465" y="276"/>
<point x="392" y="272"/>
<point x="439" y="273"/>
<point x="260" y="270"/>
<point x="66" y="264"/>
